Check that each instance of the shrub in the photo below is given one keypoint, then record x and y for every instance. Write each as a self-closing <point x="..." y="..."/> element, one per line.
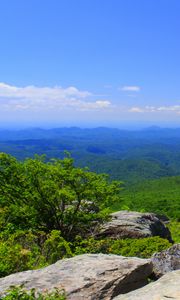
<point x="18" y="293"/>
<point x="19" y="252"/>
<point x="143" y="248"/>
<point x="56" y="247"/>
<point x="23" y="250"/>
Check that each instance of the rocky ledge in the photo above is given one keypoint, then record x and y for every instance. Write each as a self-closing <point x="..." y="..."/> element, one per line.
<point x="88" y="276"/>
<point x="131" y="224"/>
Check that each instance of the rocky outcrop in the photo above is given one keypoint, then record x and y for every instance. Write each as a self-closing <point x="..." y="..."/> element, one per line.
<point x="167" y="287"/>
<point x="130" y="224"/>
<point x="166" y="261"/>
<point x="88" y="276"/>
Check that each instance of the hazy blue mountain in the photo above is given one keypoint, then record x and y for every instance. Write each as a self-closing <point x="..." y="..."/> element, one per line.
<point x="126" y="155"/>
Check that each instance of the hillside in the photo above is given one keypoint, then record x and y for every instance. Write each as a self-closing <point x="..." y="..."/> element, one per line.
<point x="160" y="196"/>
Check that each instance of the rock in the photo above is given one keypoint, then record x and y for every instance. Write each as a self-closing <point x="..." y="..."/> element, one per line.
<point x="86" y="277"/>
<point x="166" y="261"/>
<point x="131" y="224"/>
<point x="167" y="287"/>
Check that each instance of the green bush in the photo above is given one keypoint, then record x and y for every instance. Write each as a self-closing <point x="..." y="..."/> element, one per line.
<point x="23" y="250"/>
<point x="19" y="252"/>
<point x="56" y="247"/>
<point x="143" y="248"/>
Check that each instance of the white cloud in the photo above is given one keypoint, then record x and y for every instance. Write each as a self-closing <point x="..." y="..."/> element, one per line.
<point x="103" y="103"/>
<point x="175" y="108"/>
<point x="58" y="103"/>
<point x="156" y="109"/>
<point x="35" y="98"/>
<point x="136" y="109"/>
<point x="130" y="88"/>
<point x="40" y="92"/>
<point x="100" y="104"/>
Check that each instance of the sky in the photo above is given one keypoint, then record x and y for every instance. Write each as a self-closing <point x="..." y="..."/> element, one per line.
<point x="89" y="62"/>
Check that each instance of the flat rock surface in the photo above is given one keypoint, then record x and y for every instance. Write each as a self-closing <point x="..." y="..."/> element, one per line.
<point x="87" y="277"/>
<point x="131" y="224"/>
<point x="166" y="260"/>
<point x="167" y="287"/>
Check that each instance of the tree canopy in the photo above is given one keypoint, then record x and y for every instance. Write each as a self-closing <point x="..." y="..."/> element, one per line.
<point x="54" y="195"/>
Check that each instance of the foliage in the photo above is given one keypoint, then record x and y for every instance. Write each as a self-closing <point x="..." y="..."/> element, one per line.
<point x="18" y="293"/>
<point x="53" y="196"/>
<point x="24" y="250"/>
<point x="56" y="247"/>
<point x="18" y="252"/>
<point x="174" y="228"/>
<point x="143" y="248"/>
<point x="49" y="211"/>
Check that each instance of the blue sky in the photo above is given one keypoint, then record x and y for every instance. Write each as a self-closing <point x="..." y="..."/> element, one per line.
<point x="89" y="62"/>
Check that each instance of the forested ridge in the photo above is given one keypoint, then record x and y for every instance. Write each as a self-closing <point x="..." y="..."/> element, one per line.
<point x="130" y="156"/>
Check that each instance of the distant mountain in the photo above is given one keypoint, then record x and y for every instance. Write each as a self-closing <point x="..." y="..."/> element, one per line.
<point x="125" y="155"/>
<point x="100" y="132"/>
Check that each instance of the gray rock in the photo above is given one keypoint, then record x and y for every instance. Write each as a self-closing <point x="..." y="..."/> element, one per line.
<point x="166" y="261"/>
<point x="167" y="287"/>
<point x="86" y="277"/>
<point x="131" y="224"/>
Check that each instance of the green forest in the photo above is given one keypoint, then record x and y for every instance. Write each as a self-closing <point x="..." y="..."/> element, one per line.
<point x="128" y="156"/>
<point x="52" y="201"/>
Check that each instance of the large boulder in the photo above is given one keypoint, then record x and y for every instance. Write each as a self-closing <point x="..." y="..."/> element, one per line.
<point x="167" y="287"/>
<point x="131" y="224"/>
<point x="166" y="261"/>
<point x="88" y="276"/>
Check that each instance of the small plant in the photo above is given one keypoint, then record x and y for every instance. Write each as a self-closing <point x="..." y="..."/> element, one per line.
<point x="18" y="293"/>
